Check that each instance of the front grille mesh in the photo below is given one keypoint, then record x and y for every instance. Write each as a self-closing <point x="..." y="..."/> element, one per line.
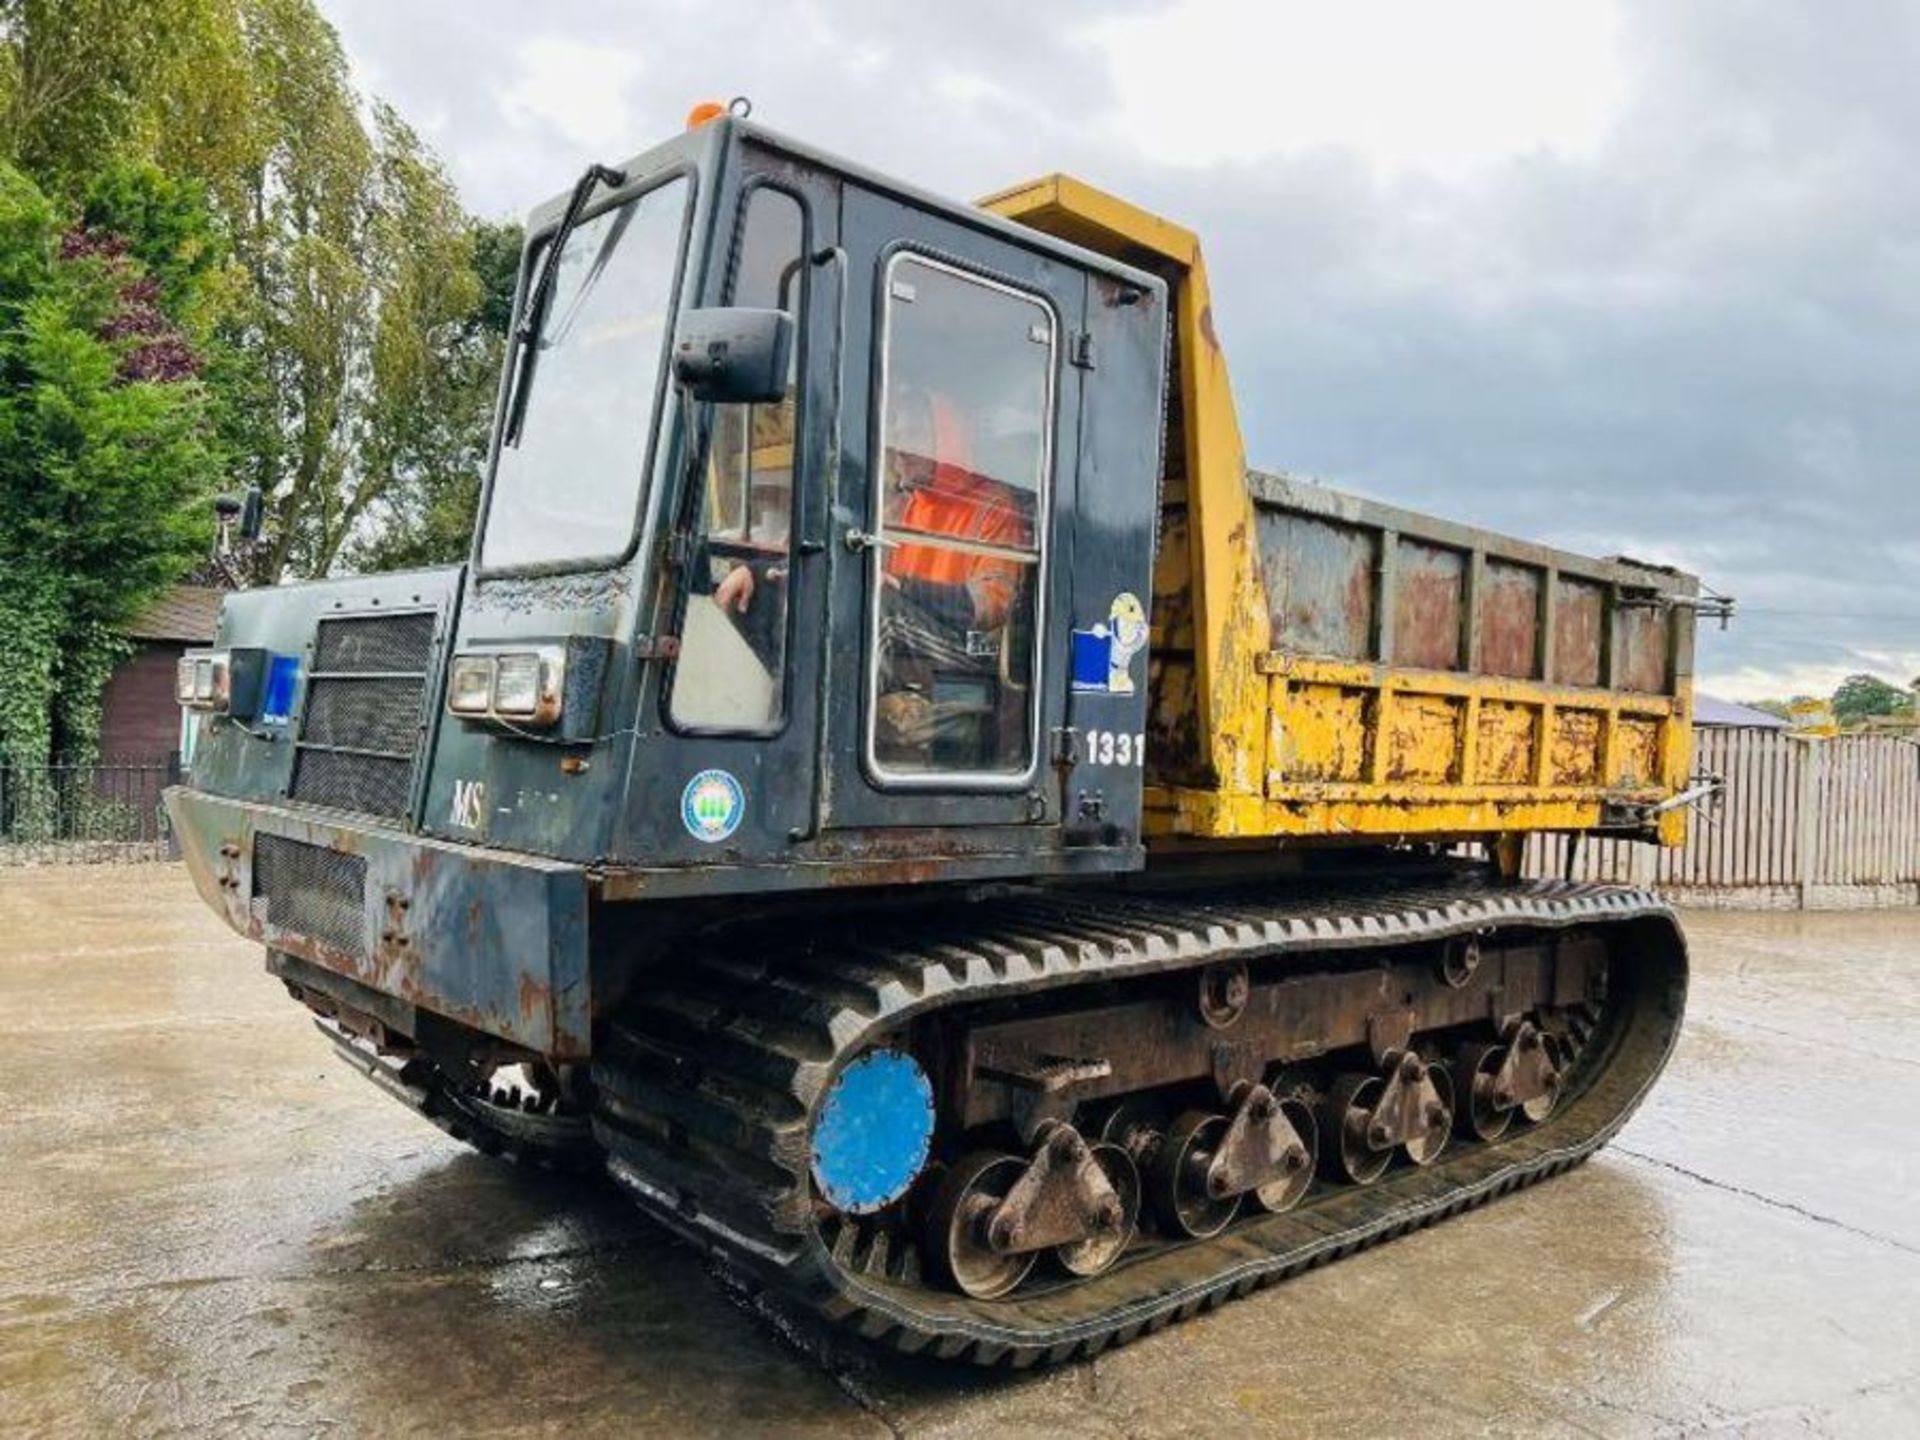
<point x="365" y="784"/>
<point x="363" y="714"/>
<point x="312" y="891"/>
<point x="359" y="644"/>
<point x="361" y="724"/>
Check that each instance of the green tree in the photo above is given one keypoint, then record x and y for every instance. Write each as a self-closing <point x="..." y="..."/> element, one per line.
<point x="341" y="358"/>
<point x="429" y="519"/>
<point x="1861" y="697"/>
<point x="363" y="268"/>
<point x="107" y="457"/>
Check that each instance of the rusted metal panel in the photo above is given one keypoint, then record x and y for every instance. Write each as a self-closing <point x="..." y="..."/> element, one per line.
<point x="1320" y="584"/>
<point x="1574" y="756"/>
<point x="1636" y="753"/>
<point x="1428" y="677"/>
<point x="1428" y="604"/>
<point x="1508" y="607"/>
<point x="1423" y="739"/>
<point x="492" y="940"/>
<point x="1320" y="733"/>
<point x="1579" y="611"/>
<point x="1641" y="640"/>
<point x="1509" y="734"/>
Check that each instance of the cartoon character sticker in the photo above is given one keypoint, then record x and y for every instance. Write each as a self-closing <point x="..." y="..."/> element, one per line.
<point x="711" y="806"/>
<point x="1103" y="656"/>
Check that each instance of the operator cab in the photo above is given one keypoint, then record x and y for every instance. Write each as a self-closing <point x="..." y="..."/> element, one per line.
<point x="817" y="537"/>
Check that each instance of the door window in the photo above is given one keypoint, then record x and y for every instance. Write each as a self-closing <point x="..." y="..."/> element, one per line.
<point x="966" y="420"/>
<point x="732" y="670"/>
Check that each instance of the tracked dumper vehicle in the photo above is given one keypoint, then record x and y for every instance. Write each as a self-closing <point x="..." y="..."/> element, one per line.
<point x="895" y="789"/>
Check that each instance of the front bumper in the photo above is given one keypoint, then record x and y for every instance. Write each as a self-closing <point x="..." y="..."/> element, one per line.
<point x="491" y="940"/>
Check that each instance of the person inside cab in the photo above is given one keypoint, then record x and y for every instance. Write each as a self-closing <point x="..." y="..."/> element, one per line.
<point x="954" y="582"/>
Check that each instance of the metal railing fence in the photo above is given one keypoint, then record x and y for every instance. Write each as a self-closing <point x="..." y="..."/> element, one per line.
<point x="105" y="811"/>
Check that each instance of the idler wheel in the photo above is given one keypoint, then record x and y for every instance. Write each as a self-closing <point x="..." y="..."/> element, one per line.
<point x="1351" y="1153"/>
<point x="955" y="1239"/>
<point x="1425" y="1149"/>
<point x="1098" y="1251"/>
<point x="1181" y="1195"/>
<point x="1476" y="1070"/>
<point x="1284" y="1193"/>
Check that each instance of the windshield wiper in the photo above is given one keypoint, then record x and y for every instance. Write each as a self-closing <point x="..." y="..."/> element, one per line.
<point x="528" y="331"/>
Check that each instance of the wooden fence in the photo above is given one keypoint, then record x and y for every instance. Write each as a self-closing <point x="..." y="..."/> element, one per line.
<point x="1802" y="823"/>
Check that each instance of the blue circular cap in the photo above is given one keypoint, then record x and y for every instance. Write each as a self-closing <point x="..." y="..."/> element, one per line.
<point x="871" y="1134"/>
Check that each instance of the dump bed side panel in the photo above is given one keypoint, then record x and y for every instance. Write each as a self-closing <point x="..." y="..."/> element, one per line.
<point x="1429" y="678"/>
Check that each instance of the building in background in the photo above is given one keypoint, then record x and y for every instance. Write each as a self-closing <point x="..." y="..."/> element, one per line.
<point x="140" y="715"/>
<point x="1725" y="714"/>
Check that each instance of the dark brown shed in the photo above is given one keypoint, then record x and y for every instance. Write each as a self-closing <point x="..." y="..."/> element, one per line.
<point x="141" y="718"/>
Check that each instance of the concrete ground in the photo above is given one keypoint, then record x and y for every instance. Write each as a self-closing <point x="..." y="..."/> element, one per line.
<point x="208" y="1224"/>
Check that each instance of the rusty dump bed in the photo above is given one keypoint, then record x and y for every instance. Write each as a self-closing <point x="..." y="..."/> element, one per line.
<point x="1326" y="667"/>
<point x="1422" y="675"/>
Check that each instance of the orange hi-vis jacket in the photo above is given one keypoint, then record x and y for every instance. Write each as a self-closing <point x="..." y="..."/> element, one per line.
<point x="960" y="504"/>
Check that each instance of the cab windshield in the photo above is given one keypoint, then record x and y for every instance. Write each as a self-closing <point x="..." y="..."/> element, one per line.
<point x="571" y="472"/>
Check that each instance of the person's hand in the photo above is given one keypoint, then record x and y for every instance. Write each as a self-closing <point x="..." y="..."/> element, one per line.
<point x="735" y="592"/>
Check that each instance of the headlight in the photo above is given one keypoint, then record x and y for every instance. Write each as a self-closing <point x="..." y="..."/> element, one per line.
<point x="470" y="691"/>
<point x="517" y="687"/>
<point x="201" y="679"/>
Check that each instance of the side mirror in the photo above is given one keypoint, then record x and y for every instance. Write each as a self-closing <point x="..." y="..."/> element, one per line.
<point x="731" y="355"/>
<point x="253" y="513"/>
<point x="243" y="514"/>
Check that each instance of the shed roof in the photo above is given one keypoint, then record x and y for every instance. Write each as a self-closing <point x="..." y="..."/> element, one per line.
<point x="186" y="612"/>
<point x="1727" y="715"/>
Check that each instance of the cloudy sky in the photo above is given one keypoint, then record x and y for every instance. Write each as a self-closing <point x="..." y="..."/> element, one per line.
<point x="1636" y="277"/>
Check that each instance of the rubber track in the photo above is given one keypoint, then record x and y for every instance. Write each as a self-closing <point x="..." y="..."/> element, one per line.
<point x="532" y="1146"/>
<point x="706" y="1085"/>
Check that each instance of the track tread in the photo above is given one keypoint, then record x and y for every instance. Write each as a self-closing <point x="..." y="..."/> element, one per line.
<point x="747" y="1193"/>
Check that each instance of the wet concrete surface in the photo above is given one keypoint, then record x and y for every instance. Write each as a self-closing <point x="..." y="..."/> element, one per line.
<point x="209" y="1225"/>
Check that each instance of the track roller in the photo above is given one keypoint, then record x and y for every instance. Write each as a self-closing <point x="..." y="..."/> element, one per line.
<point x="1408" y="1107"/>
<point x="1189" y="1195"/>
<point x="959" y="1221"/>
<point x="992" y="1214"/>
<point x="1522" y="1074"/>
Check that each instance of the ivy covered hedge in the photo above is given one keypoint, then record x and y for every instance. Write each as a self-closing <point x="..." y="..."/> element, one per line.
<point x="108" y="447"/>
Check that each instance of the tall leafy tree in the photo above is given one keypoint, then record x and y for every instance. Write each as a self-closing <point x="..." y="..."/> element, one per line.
<point x="219" y="265"/>
<point x="347" y="379"/>
<point x="107" y="447"/>
<point x="1862" y="697"/>
<point x="429" y="519"/>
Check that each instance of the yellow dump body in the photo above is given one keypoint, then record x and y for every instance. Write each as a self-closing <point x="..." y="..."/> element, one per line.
<point x="1330" y="667"/>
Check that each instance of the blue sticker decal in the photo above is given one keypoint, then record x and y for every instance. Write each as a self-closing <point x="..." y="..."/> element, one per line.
<point x="1091" y="649"/>
<point x="711" y="806"/>
<point x="1103" y="656"/>
<point x="871" y="1136"/>
<point x="283" y="679"/>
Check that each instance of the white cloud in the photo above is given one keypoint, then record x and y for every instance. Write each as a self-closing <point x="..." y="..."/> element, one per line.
<point x="1632" y="275"/>
<point x="1404" y="84"/>
<point x="1783" y="682"/>
<point x="575" y="89"/>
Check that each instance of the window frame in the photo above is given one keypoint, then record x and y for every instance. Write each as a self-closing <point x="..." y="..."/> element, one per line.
<point x="650" y="453"/>
<point x="692" y="505"/>
<point x="880" y="539"/>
